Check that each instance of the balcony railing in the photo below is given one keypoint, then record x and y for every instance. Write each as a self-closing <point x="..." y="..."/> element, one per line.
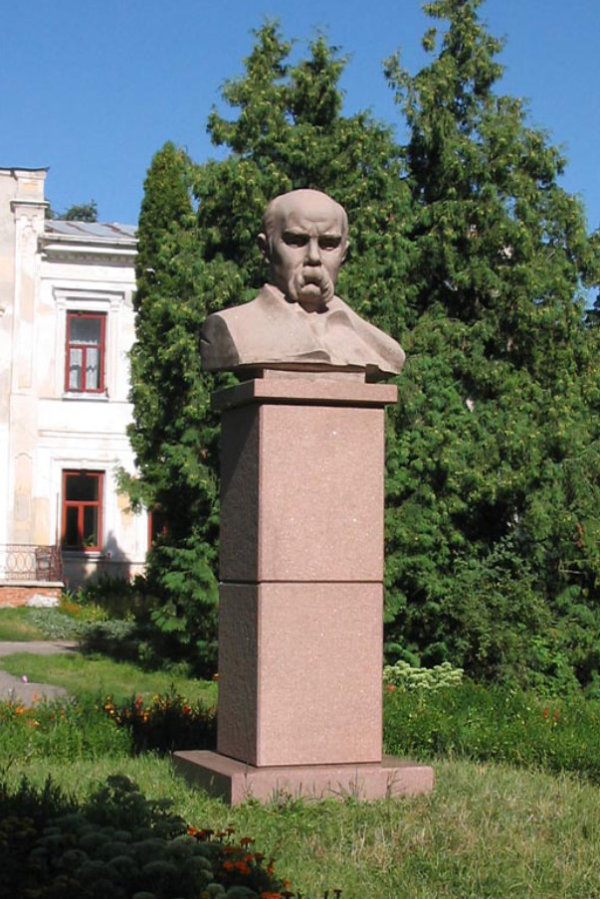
<point x="20" y="562"/>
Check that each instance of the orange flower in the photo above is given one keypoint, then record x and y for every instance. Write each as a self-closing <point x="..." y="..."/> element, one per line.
<point x="242" y="867"/>
<point x="228" y="866"/>
<point x="245" y="841"/>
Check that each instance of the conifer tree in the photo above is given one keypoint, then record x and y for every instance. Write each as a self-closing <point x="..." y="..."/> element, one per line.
<point x="171" y="434"/>
<point x="493" y="498"/>
<point x="288" y="133"/>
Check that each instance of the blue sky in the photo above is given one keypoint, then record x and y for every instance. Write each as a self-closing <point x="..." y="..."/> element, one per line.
<point x="92" y="88"/>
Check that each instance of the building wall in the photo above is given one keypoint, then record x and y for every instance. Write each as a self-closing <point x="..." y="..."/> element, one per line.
<point x="48" y="270"/>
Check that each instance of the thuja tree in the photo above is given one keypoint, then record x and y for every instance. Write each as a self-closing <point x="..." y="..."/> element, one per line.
<point x="493" y="506"/>
<point x="197" y="254"/>
<point x="172" y="434"/>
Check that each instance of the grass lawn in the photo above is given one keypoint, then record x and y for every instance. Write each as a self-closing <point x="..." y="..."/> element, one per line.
<point x="486" y="832"/>
<point x="91" y="677"/>
<point x="15" y="625"/>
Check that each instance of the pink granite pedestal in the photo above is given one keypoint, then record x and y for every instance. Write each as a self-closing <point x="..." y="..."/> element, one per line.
<point x="301" y="596"/>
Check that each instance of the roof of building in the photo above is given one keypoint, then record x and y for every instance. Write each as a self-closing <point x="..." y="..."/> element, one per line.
<point x="90" y="230"/>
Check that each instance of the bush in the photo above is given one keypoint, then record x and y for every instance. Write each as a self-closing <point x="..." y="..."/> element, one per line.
<point x="411" y="678"/>
<point x="119" y="844"/>
<point x="117" y="639"/>
<point x="114" y="597"/>
<point x="56" y="624"/>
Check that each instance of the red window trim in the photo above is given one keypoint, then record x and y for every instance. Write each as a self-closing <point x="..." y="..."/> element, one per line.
<point x="156" y="525"/>
<point x="81" y="505"/>
<point x="69" y="345"/>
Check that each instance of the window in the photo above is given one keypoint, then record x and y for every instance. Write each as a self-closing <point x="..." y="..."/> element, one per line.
<point x="82" y="510"/>
<point x="157" y="525"/>
<point x="85" y="352"/>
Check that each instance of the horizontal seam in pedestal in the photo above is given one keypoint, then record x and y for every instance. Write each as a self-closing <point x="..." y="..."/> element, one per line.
<point x="258" y="583"/>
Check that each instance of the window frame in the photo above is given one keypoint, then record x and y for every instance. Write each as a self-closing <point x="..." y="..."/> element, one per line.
<point x="81" y="506"/>
<point x="73" y="314"/>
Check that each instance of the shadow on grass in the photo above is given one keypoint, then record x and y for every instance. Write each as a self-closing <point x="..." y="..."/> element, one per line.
<point x="144" y="645"/>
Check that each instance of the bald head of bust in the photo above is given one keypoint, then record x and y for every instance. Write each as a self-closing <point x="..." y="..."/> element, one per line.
<point x="305" y="241"/>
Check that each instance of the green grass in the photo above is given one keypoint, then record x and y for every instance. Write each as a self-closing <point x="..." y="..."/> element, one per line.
<point x="92" y="677"/>
<point x="15" y="625"/>
<point x="486" y="832"/>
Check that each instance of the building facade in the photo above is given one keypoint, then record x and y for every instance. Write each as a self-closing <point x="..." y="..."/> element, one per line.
<point x="66" y="328"/>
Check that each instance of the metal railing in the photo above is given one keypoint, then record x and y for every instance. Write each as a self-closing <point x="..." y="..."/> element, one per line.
<point x="20" y="562"/>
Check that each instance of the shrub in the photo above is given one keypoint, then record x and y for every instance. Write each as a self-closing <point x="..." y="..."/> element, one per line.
<point x="56" y="624"/>
<point x="117" y="639"/>
<point x="119" y="844"/>
<point x="411" y="678"/>
<point x="116" y="597"/>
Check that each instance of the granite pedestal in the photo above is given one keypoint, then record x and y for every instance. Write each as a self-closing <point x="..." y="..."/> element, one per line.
<point x="301" y="596"/>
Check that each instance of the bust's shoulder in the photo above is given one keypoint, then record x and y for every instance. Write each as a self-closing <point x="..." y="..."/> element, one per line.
<point x="263" y="301"/>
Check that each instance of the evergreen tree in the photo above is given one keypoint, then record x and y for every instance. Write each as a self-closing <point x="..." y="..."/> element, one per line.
<point x="288" y="133"/>
<point x="493" y="489"/>
<point x="171" y="434"/>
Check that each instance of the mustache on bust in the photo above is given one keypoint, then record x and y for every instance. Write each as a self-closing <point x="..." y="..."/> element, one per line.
<point x="318" y="277"/>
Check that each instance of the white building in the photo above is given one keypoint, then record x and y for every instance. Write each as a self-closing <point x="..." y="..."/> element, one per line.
<point x="66" y="327"/>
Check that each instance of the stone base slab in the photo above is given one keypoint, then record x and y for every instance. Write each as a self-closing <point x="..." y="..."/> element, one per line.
<point x="233" y="781"/>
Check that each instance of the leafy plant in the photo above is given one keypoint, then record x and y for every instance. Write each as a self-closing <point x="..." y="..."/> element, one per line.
<point x="494" y="723"/>
<point x="407" y="677"/>
<point x="122" y="844"/>
<point x="166" y="723"/>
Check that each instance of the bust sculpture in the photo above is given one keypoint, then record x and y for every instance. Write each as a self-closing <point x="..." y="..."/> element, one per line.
<point x="297" y="323"/>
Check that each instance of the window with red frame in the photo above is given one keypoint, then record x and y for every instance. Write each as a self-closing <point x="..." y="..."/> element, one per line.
<point x="85" y="352"/>
<point x="82" y="510"/>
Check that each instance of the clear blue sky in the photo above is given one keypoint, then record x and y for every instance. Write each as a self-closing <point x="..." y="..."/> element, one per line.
<point x="92" y="88"/>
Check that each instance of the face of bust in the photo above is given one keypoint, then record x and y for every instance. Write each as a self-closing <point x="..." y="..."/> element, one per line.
<point x="305" y="248"/>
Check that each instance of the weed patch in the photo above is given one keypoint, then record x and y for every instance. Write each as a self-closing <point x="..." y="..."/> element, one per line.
<point x="494" y="723"/>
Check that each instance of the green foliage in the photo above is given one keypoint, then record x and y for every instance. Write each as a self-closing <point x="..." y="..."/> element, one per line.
<point x="81" y="212"/>
<point x="288" y="133"/>
<point x="472" y="721"/>
<point x="55" y="624"/>
<point x="403" y="675"/>
<point x="84" y="212"/>
<point x="95" y="728"/>
<point x="89" y="676"/>
<point x="165" y="724"/>
<point x="16" y="624"/>
<point x="61" y="730"/>
<point x="118" y="843"/>
<point x="492" y="508"/>
<point x="465" y="247"/>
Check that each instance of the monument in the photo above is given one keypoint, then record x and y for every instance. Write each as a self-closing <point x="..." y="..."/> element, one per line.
<point x="301" y="562"/>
